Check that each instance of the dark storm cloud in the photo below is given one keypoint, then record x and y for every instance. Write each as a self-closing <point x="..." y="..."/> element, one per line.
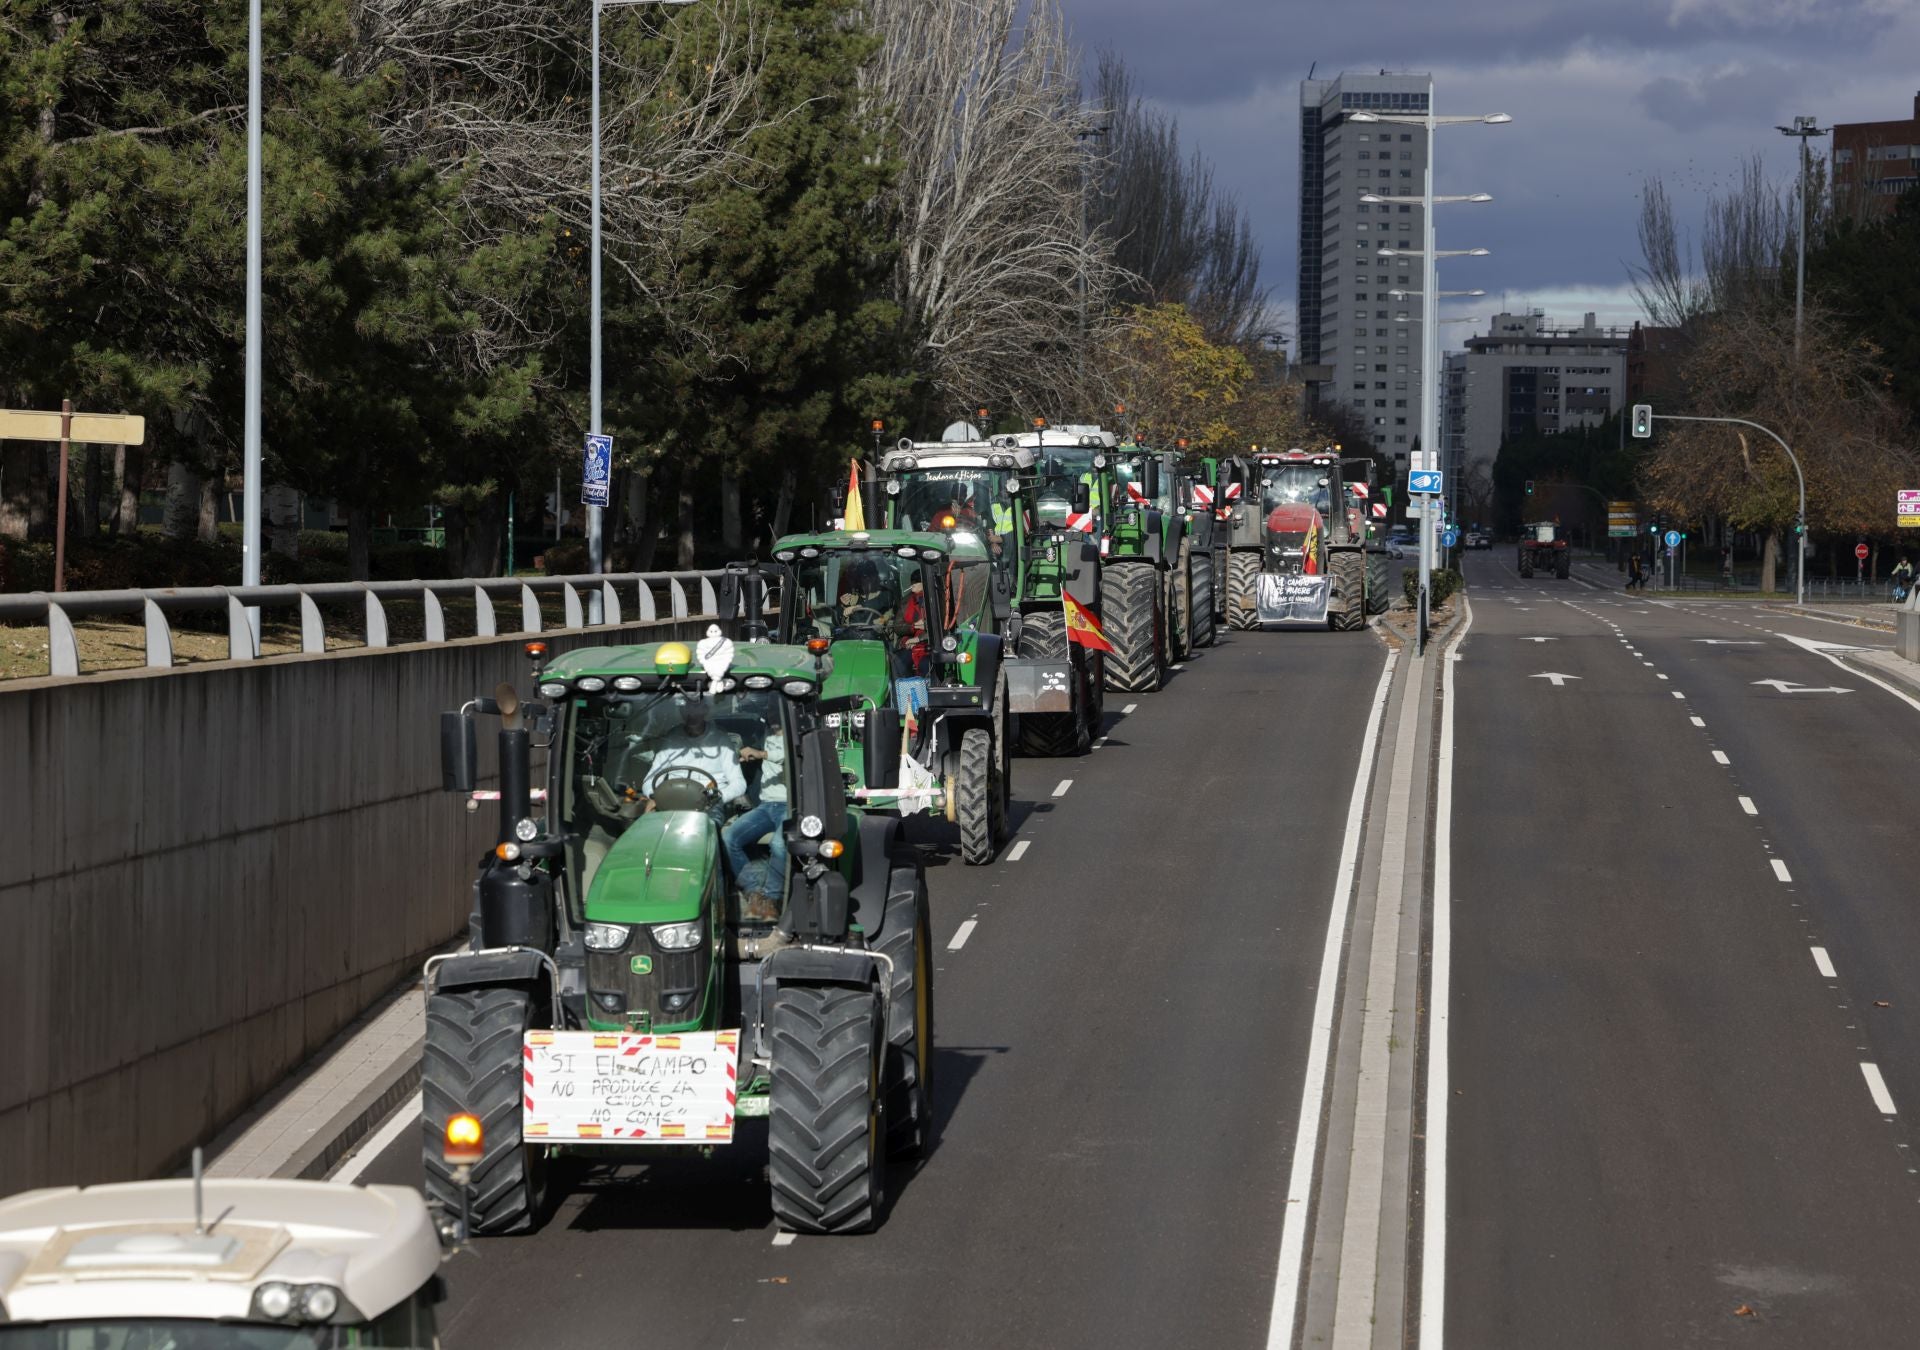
<point x="1745" y="94"/>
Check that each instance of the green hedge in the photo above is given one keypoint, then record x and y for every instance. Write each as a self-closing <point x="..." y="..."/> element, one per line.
<point x="1442" y="584"/>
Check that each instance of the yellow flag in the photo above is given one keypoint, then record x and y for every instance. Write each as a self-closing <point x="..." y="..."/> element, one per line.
<point x="856" y="513"/>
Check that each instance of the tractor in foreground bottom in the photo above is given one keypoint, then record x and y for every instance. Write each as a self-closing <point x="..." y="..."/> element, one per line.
<point x="1543" y="548"/>
<point x="696" y="928"/>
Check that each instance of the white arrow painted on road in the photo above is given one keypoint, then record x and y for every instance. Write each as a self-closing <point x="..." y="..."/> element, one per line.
<point x="1554" y="675"/>
<point x="1815" y="645"/>
<point x="1789" y="687"/>
<point x="1729" y="642"/>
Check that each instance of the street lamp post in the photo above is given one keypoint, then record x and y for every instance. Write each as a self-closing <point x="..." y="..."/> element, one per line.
<point x="250" y="436"/>
<point x="1803" y="128"/>
<point x="1082" y="137"/>
<point x="1429" y="313"/>
<point x="596" y="553"/>
<point x="1800" y="530"/>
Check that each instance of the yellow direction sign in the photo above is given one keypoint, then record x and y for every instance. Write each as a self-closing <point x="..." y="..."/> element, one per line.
<point x="88" y="428"/>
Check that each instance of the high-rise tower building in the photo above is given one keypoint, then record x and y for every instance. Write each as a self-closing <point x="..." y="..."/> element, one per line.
<point x="1359" y="344"/>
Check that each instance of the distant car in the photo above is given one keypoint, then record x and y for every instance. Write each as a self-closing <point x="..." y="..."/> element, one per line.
<point x="1397" y="548"/>
<point x="1479" y="539"/>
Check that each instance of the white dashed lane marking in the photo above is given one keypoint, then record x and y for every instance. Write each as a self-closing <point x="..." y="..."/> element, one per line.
<point x="1129" y="708"/>
<point x="1698" y="721"/>
<point x="1719" y="757"/>
<point x="964" y="932"/>
<point x="1823" y="963"/>
<point x="1878" y="1087"/>
<point x="1061" y="791"/>
<point x="784" y="1239"/>
<point x="1780" y="870"/>
<point x="1746" y="804"/>
<point x="1018" y="851"/>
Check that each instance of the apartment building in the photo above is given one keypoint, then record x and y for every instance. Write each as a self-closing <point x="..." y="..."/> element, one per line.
<point x="1875" y="162"/>
<point x="1358" y="344"/>
<point x="1527" y="374"/>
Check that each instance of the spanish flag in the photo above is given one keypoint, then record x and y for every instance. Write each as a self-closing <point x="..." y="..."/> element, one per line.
<point x="1083" y="628"/>
<point x="856" y="513"/>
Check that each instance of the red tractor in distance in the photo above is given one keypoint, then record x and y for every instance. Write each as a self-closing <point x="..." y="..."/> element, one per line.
<point x="1542" y="546"/>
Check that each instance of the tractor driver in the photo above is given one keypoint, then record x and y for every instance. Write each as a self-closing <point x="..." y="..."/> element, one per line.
<point x="864" y="603"/>
<point x="696" y="745"/>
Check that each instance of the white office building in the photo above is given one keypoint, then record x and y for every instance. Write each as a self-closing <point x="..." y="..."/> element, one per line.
<point x="1525" y="374"/>
<point x="1359" y="345"/>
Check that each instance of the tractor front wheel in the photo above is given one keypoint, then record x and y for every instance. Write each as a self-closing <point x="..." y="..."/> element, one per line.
<point x="1243" y="589"/>
<point x="826" y="1157"/>
<point x="1043" y="637"/>
<point x="906" y="938"/>
<point x="472" y="1063"/>
<point x="977" y="794"/>
<point x="1135" y="626"/>
<point x="1200" y="587"/>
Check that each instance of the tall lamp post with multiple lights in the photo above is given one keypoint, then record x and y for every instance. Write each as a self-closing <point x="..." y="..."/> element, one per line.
<point x="1804" y="129"/>
<point x="1429" y="311"/>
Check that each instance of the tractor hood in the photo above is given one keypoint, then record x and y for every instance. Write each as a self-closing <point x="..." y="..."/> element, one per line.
<point x="657" y="871"/>
<point x="1295" y="518"/>
<point x="860" y="666"/>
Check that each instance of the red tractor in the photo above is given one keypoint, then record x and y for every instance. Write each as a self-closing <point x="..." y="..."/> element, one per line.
<point x="1542" y="546"/>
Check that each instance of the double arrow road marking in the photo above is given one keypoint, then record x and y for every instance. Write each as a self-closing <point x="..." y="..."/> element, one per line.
<point x="1789" y="687"/>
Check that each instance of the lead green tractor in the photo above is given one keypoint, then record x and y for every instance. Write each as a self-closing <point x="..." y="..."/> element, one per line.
<point x="620" y="993"/>
<point x="915" y="642"/>
<point x="1034" y="512"/>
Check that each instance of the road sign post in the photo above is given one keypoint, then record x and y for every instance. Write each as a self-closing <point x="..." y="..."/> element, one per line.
<point x="66" y="427"/>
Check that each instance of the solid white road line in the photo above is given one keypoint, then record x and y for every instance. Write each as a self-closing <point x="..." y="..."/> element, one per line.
<point x="1824" y="963"/>
<point x="1878" y="1087"/>
<point x="784" y="1239"/>
<point x="1018" y="851"/>
<point x="1061" y="791"/>
<point x="406" y="1118"/>
<point x="1746" y="804"/>
<point x="1720" y="757"/>
<point x="961" y="935"/>
<point x="1433" y="1237"/>
<point x="1313" y="1089"/>
<point x="1808" y="645"/>
<point x="1780" y="870"/>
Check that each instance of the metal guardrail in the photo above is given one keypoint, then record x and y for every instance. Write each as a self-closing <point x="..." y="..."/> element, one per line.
<point x="647" y="597"/>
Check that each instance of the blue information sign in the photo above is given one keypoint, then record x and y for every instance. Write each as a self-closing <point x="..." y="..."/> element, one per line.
<point x="596" y="473"/>
<point x="1449" y="539"/>
<point x="1673" y="539"/>
<point x="1425" y="481"/>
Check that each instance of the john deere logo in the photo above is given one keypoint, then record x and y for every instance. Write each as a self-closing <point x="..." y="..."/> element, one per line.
<point x="641" y="965"/>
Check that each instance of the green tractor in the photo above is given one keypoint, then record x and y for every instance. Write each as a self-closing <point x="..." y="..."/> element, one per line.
<point x="915" y="640"/>
<point x="1035" y="516"/>
<point x="667" y="946"/>
<point x="1154" y="549"/>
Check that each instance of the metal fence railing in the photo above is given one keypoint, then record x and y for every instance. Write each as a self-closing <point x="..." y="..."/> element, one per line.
<point x="632" y="597"/>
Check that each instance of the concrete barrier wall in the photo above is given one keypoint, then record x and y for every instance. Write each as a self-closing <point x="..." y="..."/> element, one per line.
<point x="209" y="871"/>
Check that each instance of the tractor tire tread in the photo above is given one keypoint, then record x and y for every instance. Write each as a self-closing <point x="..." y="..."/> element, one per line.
<point x="1134" y="627"/>
<point x="975" y="792"/>
<point x="823" y="1163"/>
<point x="1243" y="590"/>
<point x="472" y="1062"/>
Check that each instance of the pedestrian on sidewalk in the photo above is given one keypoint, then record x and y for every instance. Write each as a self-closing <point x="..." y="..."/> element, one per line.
<point x="1726" y="564"/>
<point x="1636" y="574"/>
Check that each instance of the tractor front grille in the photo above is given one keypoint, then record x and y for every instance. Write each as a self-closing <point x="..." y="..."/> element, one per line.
<point x="644" y="986"/>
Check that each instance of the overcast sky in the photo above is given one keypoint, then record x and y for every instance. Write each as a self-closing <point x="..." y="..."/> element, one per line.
<point x="1602" y="94"/>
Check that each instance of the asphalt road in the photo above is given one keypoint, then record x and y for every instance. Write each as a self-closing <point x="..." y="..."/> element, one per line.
<point x="1121" y="1040"/>
<point x="1685" y="1020"/>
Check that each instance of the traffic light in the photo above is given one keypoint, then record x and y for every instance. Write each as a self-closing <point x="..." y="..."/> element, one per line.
<point x="1529" y="487"/>
<point x="1799" y="527"/>
<point x="1642" y="420"/>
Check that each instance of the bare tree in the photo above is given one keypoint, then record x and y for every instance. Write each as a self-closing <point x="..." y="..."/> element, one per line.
<point x="1664" y="281"/>
<point x="985" y="115"/>
<point x="1178" y="237"/>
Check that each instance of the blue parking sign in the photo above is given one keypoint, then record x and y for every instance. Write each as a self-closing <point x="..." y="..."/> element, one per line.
<point x="596" y="473"/>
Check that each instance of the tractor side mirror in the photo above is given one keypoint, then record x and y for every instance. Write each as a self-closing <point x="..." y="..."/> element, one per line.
<point x="1152" y="476"/>
<point x="728" y="592"/>
<point x="823" y="793"/>
<point x="884" y="738"/>
<point x="458" y="752"/>
<point x="1082" y="499"/>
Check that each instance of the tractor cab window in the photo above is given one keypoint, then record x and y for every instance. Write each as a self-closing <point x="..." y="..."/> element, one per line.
<point x="1130" y="479"/>
<point x="1060" y="473"/>
<point x="965" y="583"/>
<point x="862" y="593"/>
<point x="1290" y="484"/>
<point x="973" y="499"/>
<point x="668" y="750"/>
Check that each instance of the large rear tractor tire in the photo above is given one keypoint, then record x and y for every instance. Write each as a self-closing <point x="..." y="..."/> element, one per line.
<point x="826" y="1158"/>
<point x="1043" y="637"/>
<point x="472" y="1063"/>
<point x="1563" y="566"/>
<point x="906" y="938"/>
<point x="1350" y="570"/>
<point x="1243" y="590"/>
<point x="1135" y="626"/>
<point x="1180" y="609"/>
<point x="1526" y="563"/>
<point x="976" y="790"/>
<point x="1200" y="587"/>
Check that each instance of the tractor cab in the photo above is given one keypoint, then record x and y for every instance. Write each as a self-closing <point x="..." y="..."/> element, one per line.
<point x="1072" y="476"/>
<point x="916" y="647"/>
<point x="1297" y="493"/>
<point x="218" y="1264"/>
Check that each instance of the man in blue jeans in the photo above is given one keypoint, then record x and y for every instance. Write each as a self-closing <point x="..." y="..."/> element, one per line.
<point x="769" y="815"/>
